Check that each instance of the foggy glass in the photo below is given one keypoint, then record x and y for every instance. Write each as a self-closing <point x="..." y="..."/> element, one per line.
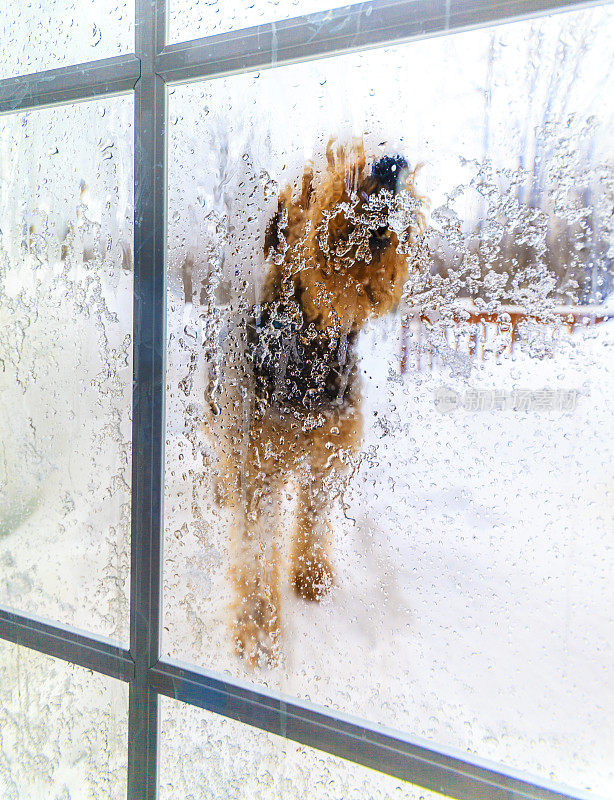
<point x="460" y="565"/>
<point x="44" y="34"/>
<point x="63" y="729"/>
<point x="66" y="363"/>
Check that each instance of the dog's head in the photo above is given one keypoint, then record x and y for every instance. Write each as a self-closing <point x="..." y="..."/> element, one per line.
<point x="344" y="242"/>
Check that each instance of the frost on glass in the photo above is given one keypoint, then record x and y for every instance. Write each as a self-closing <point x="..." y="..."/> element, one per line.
<point x="66" y="363"/>
<point x="45" y="34"/>
<point x="63" y="729"/>
<point x="205" y="757"/>
<point x="464" y="538"/>
<point x="191" y="19"/>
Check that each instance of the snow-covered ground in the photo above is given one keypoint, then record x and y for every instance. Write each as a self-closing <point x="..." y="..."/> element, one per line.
<point x="473" y="551"/>
<point x="473" y="597"/>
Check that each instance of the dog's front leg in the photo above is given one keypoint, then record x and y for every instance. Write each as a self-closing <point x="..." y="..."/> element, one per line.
<point x="256" y="626"/>
<point x="326" y="452"/>
<point x="312" y="573"/>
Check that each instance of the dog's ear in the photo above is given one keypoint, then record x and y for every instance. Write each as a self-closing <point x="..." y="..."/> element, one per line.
<point x="291" y="213"/>
<point x="307" y="187"/>
<point x="271" y="235"/>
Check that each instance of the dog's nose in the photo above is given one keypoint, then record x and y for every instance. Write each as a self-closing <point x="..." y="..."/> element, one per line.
<point x="388" y="172"/>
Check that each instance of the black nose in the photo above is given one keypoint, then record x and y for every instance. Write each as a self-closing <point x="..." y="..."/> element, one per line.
<point x="387" y="171"/>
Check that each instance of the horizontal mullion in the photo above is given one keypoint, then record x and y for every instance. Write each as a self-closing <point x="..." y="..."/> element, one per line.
<point x="69" y="84"/>
<point x="341" y="30"/>
<point x="61" y="641"/>
<point x="450" y="772"/>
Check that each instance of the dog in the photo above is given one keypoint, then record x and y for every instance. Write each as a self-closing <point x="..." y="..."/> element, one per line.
<point x="339" y="251"/>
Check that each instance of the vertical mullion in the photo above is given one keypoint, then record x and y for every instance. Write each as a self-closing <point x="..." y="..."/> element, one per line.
<point x="148" y="399"/>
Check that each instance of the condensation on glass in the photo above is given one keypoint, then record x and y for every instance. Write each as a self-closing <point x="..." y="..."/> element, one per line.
<point x="461" y="547"/>
<point x="44" y="34"/>
<point x="66" y="362"/>
<point x="63" y="729"/>
<point x="191" y="19"/>
<point x="204" y="756"/>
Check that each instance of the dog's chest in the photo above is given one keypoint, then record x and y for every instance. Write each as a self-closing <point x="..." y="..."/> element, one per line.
<point x="296" y="365"/>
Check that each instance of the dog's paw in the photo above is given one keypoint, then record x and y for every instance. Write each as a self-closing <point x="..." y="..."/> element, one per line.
<point x="256" y="633"/>
<point x="312" y="577"/>
<point x="221" y="495"/>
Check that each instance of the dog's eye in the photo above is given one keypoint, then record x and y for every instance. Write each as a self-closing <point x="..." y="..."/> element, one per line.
<point x="379" y="238"/>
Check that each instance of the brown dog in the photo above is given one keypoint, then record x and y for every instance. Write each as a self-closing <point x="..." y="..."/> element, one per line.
<point x="338" y="252"/>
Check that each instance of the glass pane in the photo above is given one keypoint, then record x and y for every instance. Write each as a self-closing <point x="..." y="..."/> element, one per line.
<point x="191" y="19"/>
<point x="63" y="729"/>
<point x="44" y="34"/>
<point x="66" y="354"/>
<point x="206" y="757"/>
<point x="405" y="515"/>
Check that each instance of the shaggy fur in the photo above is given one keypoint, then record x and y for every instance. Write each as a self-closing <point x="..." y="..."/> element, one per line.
<point x="335" y="262"/>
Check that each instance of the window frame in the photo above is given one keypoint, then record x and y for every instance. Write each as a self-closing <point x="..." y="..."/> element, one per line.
<point x="147" y="73"/>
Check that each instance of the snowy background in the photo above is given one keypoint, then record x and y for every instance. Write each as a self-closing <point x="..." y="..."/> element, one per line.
<point x="473" y="549"/>
<point x="66" y="213"/>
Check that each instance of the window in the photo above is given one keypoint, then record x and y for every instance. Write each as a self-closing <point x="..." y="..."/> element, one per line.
<point x="464" y="647"/>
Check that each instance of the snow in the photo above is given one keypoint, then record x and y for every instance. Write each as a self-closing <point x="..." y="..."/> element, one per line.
<point x="473" y="550"/>
<point x="473" y="594"/>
